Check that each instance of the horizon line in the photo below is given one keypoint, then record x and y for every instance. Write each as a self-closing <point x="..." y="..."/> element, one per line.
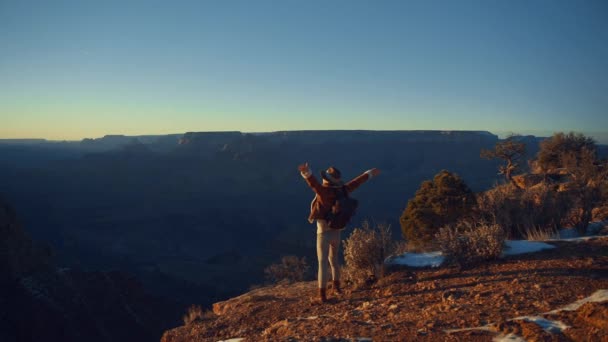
<point x="499" y="133"/>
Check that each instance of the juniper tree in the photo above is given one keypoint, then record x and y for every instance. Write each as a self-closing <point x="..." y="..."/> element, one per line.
<point x="511" y="151"/>
<point x="575" y="155"/>
<point x="438" y="202"/>
<point x="558" y="150"/>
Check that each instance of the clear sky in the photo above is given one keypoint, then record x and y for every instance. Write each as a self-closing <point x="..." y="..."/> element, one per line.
<point x="70" y="70"/>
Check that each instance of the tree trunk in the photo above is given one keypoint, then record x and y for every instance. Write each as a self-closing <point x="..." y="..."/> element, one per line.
<point x="508" y="172"/>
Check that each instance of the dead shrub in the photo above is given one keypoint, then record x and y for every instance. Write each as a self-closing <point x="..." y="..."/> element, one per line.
<point x="195" y="314"/>
<point x="468" y="243"/>
<point x="291" y="269"/>
<point x="365" y="251"/>
<point x="521" y="211"/>
<point x="540" y="234"/>
<point x="400" y="247"/>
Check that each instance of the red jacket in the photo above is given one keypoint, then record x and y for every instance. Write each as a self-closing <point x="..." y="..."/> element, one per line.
<point x="326" y="194"/>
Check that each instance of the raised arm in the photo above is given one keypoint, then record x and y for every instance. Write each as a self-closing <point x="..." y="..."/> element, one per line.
<point x="310" y="179"/>
<point x="357" y="181"/>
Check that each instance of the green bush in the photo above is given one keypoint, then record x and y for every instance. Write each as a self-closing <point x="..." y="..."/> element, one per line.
<point x="437" y="203"/>
<point x="468" y="243"/>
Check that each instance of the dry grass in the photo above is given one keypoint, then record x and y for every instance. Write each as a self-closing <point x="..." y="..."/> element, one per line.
<point x="291" y="269"/>
<point x="540" y="234"/>
<point x="195" y="314"/>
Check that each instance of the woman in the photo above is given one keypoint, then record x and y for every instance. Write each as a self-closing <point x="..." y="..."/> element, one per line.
<point x="328" y="239"/>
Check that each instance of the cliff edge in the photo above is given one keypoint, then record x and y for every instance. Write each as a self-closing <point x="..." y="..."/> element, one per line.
<point x="558" y="294"/>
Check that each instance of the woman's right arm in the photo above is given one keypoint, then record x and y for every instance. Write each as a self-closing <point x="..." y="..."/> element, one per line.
<point x="310" y="179"/>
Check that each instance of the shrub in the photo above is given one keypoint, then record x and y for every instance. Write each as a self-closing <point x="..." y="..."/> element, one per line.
<point x="194" y="314"/>
<point x="365" y="251"/>
<point x="555" y="152"/>
<point x="290" y="269"/>
<point x="587" y="185"/>
<point x="522" y="211"/>
<point x="575" y="155"/>
<point x="467" y="243"/>
<point x="437" y="203"/>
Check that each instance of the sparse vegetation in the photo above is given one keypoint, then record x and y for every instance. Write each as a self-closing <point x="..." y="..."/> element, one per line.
<point x="438" y="202"/>
<point x="365" y="251"/>
<point x="195" y="314"/>
<point x="290" y="269"/>
<point x="567" y="189"/>
<point x="521" y="211"/>
<point x="467" y="243"/>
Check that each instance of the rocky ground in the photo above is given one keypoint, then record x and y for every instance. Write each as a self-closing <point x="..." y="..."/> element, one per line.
<point x="430" y="304"/>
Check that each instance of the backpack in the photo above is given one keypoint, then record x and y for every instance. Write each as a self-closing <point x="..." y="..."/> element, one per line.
<point x="342" y="210"/>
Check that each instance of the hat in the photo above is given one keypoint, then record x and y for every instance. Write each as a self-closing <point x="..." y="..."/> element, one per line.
<point x="332" y="175"/>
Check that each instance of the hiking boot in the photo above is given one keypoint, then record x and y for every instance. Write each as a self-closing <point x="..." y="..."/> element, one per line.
<point x="323" y="295"/>
<point x="337" y="288"/>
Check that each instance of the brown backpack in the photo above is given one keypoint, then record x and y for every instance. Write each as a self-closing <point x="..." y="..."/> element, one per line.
<point x="342" y="210"/>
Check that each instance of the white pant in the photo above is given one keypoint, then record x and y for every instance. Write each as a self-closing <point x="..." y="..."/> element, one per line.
<point x="328" y="248"/>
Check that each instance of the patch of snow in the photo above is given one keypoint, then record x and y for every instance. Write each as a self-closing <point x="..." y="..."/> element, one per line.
<point x="363" y="339"/>
<point x="516" y="247"/>
<point x="512" y="247"/>
<point x="581" y="238"/>
<point x="592" y="229"/>
<point x="432" y="259"/>
<point x="597" y="296"/>
<point x="489" y="327"/>
<point x="595" y="227"/>
<point x="236" y="339"/>
<point x="567" y="233"/>
<point x="508" y="338"/>
<point x="547" y="325"/>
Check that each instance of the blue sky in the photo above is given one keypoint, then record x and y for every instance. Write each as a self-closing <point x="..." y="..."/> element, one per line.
<point x="78" y="69"/>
